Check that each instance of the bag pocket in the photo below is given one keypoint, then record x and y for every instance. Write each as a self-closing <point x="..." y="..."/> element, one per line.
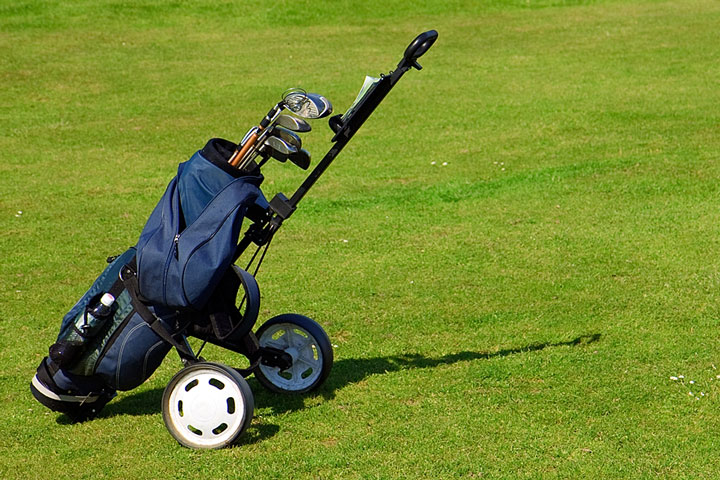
<point x="104" y="283"/>
<point x="132" y="356"/>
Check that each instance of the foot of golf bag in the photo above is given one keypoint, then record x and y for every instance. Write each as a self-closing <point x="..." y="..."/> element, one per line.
<point x="177" y="279"/>
<point x="101" y="350"/>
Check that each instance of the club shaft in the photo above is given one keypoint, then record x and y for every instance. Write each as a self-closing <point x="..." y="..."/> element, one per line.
<point x="238" y="155"/>
<point x="242" y="153"/>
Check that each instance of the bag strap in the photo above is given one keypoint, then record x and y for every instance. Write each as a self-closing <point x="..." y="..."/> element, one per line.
<point x="128" y="275"/>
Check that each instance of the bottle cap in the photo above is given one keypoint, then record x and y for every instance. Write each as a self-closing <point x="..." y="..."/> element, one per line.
<point x="107" y="299"/>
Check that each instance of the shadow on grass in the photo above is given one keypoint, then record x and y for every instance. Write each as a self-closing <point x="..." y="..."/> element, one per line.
<point x="353" y="370"/>
<point x="148" y="403"/>
<point x="141" y="403"/>
<point x="344" y="372"/>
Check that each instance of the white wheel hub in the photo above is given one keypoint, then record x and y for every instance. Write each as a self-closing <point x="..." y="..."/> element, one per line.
<point x="302" y="347"/>
<point x="207" y="408"/>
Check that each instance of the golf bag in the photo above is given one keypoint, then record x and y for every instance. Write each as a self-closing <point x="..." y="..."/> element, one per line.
<point x="122" y="328"/>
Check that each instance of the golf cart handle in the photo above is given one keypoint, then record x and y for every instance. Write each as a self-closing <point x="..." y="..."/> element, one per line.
<point x="418" y="47"/>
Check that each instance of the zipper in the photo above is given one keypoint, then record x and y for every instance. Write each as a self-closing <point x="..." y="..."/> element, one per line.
<point x="159" y="229"/>
<point x="174" y="252"/>
<point x="176" y="240"/>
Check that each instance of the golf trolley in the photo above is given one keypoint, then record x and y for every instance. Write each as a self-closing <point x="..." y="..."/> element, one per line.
<point x="181" y="281"/>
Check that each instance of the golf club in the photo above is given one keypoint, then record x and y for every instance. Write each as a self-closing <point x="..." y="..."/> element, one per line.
<point x="278" y="145"/>
<point x="287" y="135"/>
<point x="293" y="123"/>
<point x="301" y="158"/>
<point x="314" y="106"/>
<point x="301" y="103"/>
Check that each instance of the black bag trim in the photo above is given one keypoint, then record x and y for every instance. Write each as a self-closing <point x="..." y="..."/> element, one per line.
<point x="218" y="151"/>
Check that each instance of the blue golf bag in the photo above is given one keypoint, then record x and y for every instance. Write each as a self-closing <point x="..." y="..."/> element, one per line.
<point x="177" y="277"/>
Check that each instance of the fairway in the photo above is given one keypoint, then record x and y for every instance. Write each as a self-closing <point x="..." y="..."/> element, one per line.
<point x="516" y="257"/>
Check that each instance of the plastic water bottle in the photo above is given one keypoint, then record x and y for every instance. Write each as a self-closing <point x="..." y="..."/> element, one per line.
<point x="89" y="324"/>
<point x="65" y="351"/>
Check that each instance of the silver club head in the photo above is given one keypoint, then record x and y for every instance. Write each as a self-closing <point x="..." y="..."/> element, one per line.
<point x="307" y="105"/>
<point x="301" y="158"/>
<point x="287" y="135"/>
<point x="293" y="123"/>
<point x="279" y="145"/>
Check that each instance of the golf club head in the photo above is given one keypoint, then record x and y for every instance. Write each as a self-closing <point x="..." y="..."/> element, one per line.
<point x="307" y="105"/>
<point x="279" y="145"/>
<point x="269" y="152"/>
<point x="287" y="135"/>
<point x="301" y="158"/>
<point x="293" y="123"/>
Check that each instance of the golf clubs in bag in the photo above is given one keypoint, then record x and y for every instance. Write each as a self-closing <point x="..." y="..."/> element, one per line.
<point x="180" y="280"/>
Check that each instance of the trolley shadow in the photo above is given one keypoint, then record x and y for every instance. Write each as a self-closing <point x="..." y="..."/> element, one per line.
<point x="353" y="370"/>
<point x="345" y="372"/>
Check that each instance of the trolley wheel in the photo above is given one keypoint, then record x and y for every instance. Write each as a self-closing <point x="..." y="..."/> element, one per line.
<point x="207" y="405"/>
<point x="308" y="345"/>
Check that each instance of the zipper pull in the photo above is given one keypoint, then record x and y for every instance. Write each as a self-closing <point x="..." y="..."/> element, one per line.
<point x="176" y="240"/>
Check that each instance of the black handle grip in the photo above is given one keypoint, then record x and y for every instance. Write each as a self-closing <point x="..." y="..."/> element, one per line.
<point x="418" y="47"/>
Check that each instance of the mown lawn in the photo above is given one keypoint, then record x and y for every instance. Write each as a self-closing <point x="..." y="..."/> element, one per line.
<point x="512" y="258"/>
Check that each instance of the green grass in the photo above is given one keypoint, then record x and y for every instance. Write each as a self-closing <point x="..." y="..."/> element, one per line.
<point x="516" y="313"/>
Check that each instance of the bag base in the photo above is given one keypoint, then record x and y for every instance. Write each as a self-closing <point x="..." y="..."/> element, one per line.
<point x="74" y="404"/>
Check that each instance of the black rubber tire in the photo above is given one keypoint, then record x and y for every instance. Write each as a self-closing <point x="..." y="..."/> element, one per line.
<point x="216" y="378"/>
<point x="317" y="339"/>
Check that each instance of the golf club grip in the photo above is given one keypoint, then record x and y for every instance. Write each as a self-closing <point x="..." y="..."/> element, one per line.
<point x="240" y="153"/>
